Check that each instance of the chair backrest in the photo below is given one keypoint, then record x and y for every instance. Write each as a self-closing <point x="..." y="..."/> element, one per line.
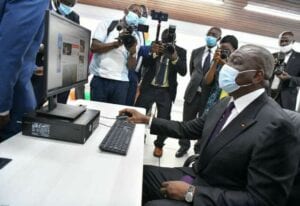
<point x="294" y="199"/>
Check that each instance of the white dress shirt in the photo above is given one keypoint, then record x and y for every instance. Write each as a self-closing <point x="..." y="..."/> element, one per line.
<point x="241" y="103"/>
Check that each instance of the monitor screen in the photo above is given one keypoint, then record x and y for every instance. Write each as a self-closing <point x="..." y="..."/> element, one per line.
<point x="67" y="51"/>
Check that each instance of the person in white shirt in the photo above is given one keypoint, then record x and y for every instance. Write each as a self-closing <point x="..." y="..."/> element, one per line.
<point x="114" y="56"/>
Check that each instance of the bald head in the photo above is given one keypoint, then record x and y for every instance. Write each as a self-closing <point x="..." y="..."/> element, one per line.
<point x="251" y="57"/>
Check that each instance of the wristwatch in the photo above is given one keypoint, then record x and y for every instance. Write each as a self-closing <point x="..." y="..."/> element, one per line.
<point x="189" y="195"/>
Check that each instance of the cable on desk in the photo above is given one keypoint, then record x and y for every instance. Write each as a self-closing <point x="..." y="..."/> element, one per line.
<point x="105" y="125"/>
<point x="104" y="117"/>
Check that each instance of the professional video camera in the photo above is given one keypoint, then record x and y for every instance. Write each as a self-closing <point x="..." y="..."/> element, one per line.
<point x="125" y="34"/>
<point x="280" y="65"/>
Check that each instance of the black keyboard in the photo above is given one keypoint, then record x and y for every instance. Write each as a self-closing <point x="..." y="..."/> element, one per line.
<point x="118" y="138"/>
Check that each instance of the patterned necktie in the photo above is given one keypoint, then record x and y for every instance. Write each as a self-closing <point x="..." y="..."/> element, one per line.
<point x="206" y="64"/>
<point x="221" y="122"/>
<point x="162" y="66"/>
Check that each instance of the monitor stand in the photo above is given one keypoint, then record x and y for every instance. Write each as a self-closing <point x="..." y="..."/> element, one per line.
<point x="64" y="111"/>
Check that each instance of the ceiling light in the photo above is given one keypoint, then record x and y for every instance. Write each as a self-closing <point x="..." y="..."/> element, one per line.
<point x="271" y="11"/>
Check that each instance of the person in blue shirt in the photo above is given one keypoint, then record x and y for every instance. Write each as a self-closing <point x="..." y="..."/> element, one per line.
<point x="21" y="32"/>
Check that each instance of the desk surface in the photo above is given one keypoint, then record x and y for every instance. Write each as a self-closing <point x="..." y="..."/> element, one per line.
<point x="49" y="172"/>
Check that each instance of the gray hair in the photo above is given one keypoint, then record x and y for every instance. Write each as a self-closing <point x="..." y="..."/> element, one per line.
<point x="259" y="58"/>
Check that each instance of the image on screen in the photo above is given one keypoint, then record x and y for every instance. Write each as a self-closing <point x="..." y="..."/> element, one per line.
<point x="67" y="50"/>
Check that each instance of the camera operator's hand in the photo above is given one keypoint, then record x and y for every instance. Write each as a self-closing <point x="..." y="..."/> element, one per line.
<point x="174" y="56"/>
<point x="131" y="60"/>
<point x="132" y="49"/>
<point x="217" y="57"/>
<point x="157" y="48"/>
<point x="284" y="76"/>
<point x="4" y="120"/>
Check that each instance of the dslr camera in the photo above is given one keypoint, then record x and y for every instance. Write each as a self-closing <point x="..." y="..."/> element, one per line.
<point x="280" y="65"/>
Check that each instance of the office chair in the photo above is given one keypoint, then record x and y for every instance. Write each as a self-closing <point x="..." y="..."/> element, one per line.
<point x="294" y="198"/>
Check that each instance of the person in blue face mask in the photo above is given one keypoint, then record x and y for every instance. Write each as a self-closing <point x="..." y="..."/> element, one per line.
<point x="112" y="59"/>
<point x="196" y="93"/>
<point x="250" y="150"/>
<point x="135" y="75"/>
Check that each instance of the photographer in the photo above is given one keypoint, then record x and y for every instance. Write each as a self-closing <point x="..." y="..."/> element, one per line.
<point x="286" y="76"/>
<point x="159" y="84"/>
<point x="228" y="44"/>
<point x="114" y="45"/>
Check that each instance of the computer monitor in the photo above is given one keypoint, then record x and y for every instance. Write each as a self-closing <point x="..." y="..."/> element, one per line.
<point x="66" y="62"/>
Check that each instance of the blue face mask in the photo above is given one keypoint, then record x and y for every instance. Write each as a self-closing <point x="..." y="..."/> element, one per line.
<point x="132" y="19"/>
<point x="143" y="20"/>
<point x="227" y="77"/>
<point x="211" y="41"/>
<point x="64" y="9"/>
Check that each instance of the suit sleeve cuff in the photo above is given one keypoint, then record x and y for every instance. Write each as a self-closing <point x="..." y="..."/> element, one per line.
<point x="4" y="113"/>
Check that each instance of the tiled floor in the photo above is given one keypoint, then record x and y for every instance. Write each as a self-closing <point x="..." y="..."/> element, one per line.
<point x="171" y="145"/>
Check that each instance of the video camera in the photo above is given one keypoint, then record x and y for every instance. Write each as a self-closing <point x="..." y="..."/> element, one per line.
<point x="125" y="34"/>
<point x="280" y="65"/>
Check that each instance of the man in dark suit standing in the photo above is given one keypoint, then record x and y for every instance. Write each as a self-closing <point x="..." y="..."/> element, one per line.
<point x="159" y="83"/>
<point x="284" y="83"/>
<point x="196" y="93"/>
<point x="249" y="154"/>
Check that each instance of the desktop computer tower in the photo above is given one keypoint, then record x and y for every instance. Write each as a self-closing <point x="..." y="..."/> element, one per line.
<point x="77" y="130"/>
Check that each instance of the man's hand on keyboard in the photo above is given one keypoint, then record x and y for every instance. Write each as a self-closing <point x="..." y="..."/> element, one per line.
<point x="135" y="116"/>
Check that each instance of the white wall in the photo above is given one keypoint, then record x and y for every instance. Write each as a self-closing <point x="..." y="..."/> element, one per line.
<point x="189" y="35"/>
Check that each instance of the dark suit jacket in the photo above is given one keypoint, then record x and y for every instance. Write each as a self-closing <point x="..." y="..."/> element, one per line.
<point x="196" y="73"/>
<point x="179" y="67"/>
<point x="288" y="89"/>
<point x="252" y="162"/>
<point x="294" y="198"/>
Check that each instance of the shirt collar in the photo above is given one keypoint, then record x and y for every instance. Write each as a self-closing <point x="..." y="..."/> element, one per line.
<point x="211" y="49"/>
<point x="242" y="102"/>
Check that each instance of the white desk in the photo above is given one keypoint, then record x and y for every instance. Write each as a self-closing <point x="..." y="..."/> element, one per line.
<point x="47" y="172"/>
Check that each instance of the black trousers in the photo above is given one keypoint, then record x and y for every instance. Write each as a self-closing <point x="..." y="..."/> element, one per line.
<point x="190" y="111"/>
<point x="160" y="96"/>
<point x="152" y="180"/>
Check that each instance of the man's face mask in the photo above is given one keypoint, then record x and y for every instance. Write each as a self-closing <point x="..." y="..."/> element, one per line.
<point x="143" y="20"/>
<point x="64" y="9"/>
<point x="211" y="41"/>
<point x="287" y="48"/>
<point x="227" y="78"/>
<point x="132" y="19"/>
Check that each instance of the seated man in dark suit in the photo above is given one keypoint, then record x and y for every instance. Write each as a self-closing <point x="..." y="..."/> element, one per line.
<point x="250" y="152"/>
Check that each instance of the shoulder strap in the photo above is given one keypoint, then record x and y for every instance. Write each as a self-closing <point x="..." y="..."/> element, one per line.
<point x="112" y="26"/>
